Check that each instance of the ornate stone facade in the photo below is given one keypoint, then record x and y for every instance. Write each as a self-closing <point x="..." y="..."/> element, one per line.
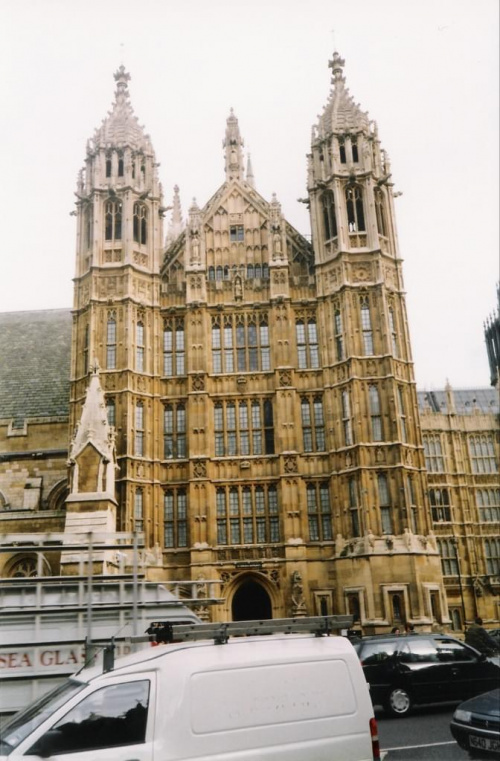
<point x="261" y="387"/>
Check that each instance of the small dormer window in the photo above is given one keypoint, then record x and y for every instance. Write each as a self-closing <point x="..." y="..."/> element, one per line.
<point x="236" y="233"/>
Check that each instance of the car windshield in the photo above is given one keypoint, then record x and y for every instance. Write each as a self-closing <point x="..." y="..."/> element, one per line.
<point x="31" y="717"/>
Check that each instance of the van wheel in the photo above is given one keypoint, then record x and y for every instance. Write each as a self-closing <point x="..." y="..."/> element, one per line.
<point x="398" y="702"/>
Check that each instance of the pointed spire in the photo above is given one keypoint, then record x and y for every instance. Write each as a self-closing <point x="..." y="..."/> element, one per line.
<point x="93" y="426"/>
<point x="250" y="175"/>
<point x="341" y="113"/>
<point x="121" y="126"/>
<point x="176" y="225"/>
<point x="233" y="144"/>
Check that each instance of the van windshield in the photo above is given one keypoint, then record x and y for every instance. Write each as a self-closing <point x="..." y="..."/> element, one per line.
<point x="24" y="722"/>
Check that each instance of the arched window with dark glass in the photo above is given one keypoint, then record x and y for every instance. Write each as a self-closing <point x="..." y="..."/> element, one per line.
<point x="342" y="153"/>
<point x="113" y="220"/>
<point x="226" y="272"/>
<point x="354" y="150"/>
<point x="211" y="273"/>
<point x="265" y="271"/>
<point x="355" y="209"/>
<point x="258" y="272"/>
<point x="140" y="223"/>
<point x="250" y="272"/>
<point x="268" y="427"/>
<point x="120" y="165"/>
<point x="219" y="273"/>
<point x="108" y="165"/>
<point x="329" y="219"/>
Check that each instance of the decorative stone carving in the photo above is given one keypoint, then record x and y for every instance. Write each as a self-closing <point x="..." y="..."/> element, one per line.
<point x="285" y="377"/>
<point x="200" y="470"/>
<point x="290" y="464"/>
<point x="198" y="383"/>
<point x="299" y="609"/>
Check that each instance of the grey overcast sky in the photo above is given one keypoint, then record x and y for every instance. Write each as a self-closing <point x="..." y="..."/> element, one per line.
<point x="425" y="70"/>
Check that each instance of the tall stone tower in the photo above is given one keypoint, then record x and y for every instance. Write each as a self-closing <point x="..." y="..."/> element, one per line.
<point x="386" y="559"/>
<point x="116" y="293"/>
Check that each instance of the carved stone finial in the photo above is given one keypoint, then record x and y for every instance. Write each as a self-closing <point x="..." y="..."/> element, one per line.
<point x="337" y="66"/>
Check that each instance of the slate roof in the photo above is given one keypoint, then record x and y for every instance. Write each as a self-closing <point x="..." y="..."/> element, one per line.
<point x="35" y="350"/>
<point x="467" y="401"/>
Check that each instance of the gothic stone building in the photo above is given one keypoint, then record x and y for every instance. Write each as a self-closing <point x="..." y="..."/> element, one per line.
<point x="245" y="398"/>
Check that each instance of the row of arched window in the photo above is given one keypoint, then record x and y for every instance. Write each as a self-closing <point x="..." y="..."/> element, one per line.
<point x="355" y="211"/>
<point x="253" y="271"/>
<point x="113" y="217"/>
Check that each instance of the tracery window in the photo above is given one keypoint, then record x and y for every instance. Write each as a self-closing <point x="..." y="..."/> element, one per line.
<point x="355" y="210"/>
<point x="434" y="458"/>
<point x="307" y="343"/>
<point x="339" y="335"/>
<point x="319" y="512"/>
<point x="175" y="525"/>
<point x="140" y="223"/>
<point x="244" y="428"/>
<point x="366" y="327"/>
<point x="482" y="454"/>
<point x="375" y="416"/>
<point x="111" y="343"/>
<point x="120" y="165"/>
<point x="449" y="562"/>
<point x="139" y="510"/>
<point x="412" y="505"/>
<point x="113" y="220"/>
<point x="329" y="218"/>
<point x="174" y="352"/>
<point x="488" y="505"/>
<point x="380" y="212"/>
<point x="440" y="505"/>
<point x="247" y="514"/>
<point x="346" y="418"/>
<point x="384" y="504"/>
<point x="492" y="556"/>
<point x="139" y="347"/>
<point x="313" y="424"/>
<point x="174" y="431"/>
<point x="139" y="430"/>
<point x="240" y="343"/>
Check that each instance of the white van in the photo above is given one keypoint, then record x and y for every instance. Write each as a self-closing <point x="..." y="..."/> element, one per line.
<point x="283" y="697"/>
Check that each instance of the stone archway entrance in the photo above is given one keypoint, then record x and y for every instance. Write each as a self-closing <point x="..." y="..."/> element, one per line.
<point x="251" y="602"/>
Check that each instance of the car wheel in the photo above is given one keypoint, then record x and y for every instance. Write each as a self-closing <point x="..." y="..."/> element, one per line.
<point x="398" y="702"/>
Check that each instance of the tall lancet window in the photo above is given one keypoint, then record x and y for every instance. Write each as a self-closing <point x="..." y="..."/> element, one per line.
<point x="140" y="223"/>
<point x="355" y="210"/>
<point x="366" y="327"/>
<point x="329" y="219"/>
<point x="380" y="212"/>
<point x="140" y="347"/>
<point x="113" y="220"/>
<point x="139" y="430"/>
<point x="339" y="335"/>
<point x="111" y="343"/>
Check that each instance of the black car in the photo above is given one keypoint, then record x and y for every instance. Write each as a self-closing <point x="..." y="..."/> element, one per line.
<point x="476" y="725"/>
<point x="404" y="670"/>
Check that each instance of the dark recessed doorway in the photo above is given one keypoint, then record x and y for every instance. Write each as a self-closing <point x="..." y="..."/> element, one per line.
<point x="251" y="602"/>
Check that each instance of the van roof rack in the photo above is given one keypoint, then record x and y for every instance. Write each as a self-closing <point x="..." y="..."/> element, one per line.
<point x="167" y="632"/>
